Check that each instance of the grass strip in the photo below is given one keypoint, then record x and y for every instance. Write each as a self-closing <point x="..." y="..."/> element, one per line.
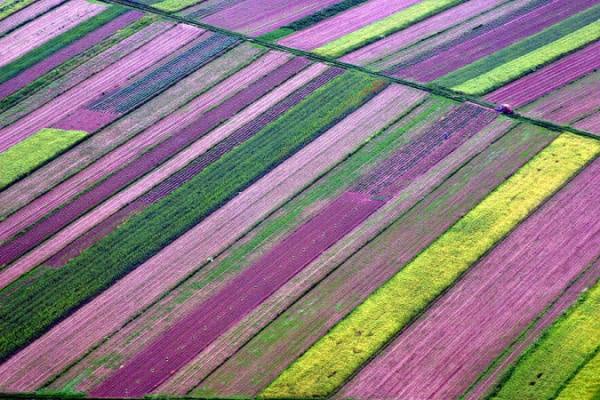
<point x="311" y="20"/>
<point x="38" y="299"/>
<point x="531" y="61"/>
<point x="69" y="65"/>
<point x="384" y="27"/>
<point x="566" y="346"/>
<point x="585" y="385"/>
<point x="25" y="156"/>
<point x="11" y="6"/>
<point x="335" y="357"/>
<point x="521" y="48"/>
<point x="57" y="43"/>
<point x="173" y="5"/>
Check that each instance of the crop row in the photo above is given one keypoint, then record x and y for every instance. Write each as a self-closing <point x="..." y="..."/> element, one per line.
<point x="29" y="154"/>
<point x="371" y="325"/>
<point x="564" y="348"/>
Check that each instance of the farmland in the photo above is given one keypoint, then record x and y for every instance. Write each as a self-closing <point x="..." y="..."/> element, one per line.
<point x="351" y="199"/>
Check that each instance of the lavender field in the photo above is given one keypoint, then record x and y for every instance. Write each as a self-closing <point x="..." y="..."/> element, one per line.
<point x="346" y="199"/>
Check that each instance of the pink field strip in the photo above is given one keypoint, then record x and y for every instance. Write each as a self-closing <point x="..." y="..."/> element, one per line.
<point x="28" y="13"/>
<point x="417" y="32"/>
<point x="121" y="199"/>
<point x="153" y="135"/>
<point x="344" y="23"/>
<point x="484" y="44"/>
<point x="71" y="338"/>
<point x="257" y="17"/>
<point x="549" y="78"/>
<point x="569" y="103"/>
<point x="32" y="73"/>
<point x="566" y="299"/>
<point x="45" y="28"/>
<point x="109" y="79"/>
<point x="590" y="124"/>
<point x="440" y="355"/>
<point x="385" y="107"/>
<point x="180" y="344"/>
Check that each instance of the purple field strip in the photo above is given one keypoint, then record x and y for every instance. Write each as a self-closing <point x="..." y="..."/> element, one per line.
<point x="28" y="13"/>
<point x="70" y="233"/>
<point x="383" y="109"/>
<point x="400" y="169"/>
<point x="89" y="40"/>
<point x="442" y="353"/>
<point x="261" y="360"/>
<point x="549" y="78"/>
<point x="87" y="120"/>
<point x="344" y="23"/>
<point x="483" y="44"/>
<point x="565" y="105"/>
<point x="71" y="339"/>
<point x="430" y="26"/>
<point x="109" y="79"/>
<point x="207" y="7"/>
<point x="257" y="17"/>
<point x="180" y="344"/>
<point x="185" y="174"/>
<point x="562" y="303"/>
<point x="48" y="26"/>
<point x="13" y="249"/>
<point x="590" y="124"/>
<point x="148" y="138"/>
<point x="83" y="72"/>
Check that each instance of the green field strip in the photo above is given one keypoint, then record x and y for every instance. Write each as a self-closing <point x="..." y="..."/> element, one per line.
<point x="384" y="27"/>
<point x="337" y="355"/>
<point x="30" y="305"/>
<point x="563" y="350"/>
<point x="11" y="6"/>
<point x="69" y="65"/>
<point x="531" y="61"/>
<point x="531" y="43"/>
<point x="27" y="155"/>
<point x="310" y="20"/>
<point x="585" y="385"/>
<point x="52" y="46"/>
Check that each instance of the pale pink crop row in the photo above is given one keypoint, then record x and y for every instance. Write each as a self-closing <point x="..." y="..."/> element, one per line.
<point x="28" y="13"/>
<point x="440" y="355"/>
<point x="569" y="103"/>
<point x="344" y="23"/>
<point x="566" y="299"/>
<point x="590" y="124"/>
<point x="68" y="340"/>
<point x="257" y="17"/>
<point x="108" y="79"/>
<point x="122" y="155"/>
<point x="48" y="26"/>
<point x="430" y="26"/>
